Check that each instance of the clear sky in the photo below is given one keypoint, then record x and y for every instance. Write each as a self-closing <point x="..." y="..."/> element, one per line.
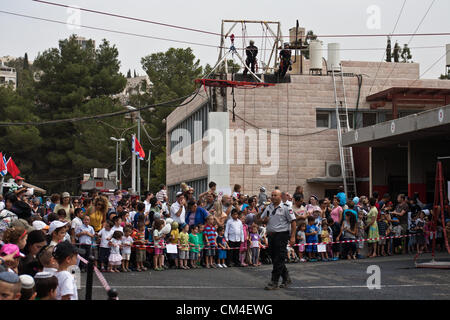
<point x="19" y="35"/>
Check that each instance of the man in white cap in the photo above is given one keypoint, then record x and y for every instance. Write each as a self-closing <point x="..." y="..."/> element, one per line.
<point x="177" y="210"/>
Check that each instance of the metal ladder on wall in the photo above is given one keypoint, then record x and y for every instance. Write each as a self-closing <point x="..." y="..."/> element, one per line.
<point x="343" y="126"/>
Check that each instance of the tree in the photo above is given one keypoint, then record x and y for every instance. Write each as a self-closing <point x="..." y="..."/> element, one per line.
<point x="129" y="73"/>
<point x="77" y="82"/>
<point x="396" y="53"/>
<point x="309" y="36"/>
<point x="406" y="54"/>
<point x="233" y="67"/>
<point x="26" y="65"/>
<point x="21" y="142"/>
<point x="388" y="51"/>
<point x="135" y="75"/>
<point x="172" y="73"/>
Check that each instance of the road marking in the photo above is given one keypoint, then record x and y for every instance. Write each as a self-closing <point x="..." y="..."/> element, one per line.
<point x="307" y="287"/>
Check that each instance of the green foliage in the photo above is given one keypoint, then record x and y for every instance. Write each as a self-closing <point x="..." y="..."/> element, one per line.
<point x="172" y="74"/>
<point x="406" y="54"/>
<point x="397" y="51"/>
<point x="21" y="142"/>
<point x="77" y="82"/>
<point x="388" y="51"/>
<point x="129" y="73"/>
<point x="309" y="36"/>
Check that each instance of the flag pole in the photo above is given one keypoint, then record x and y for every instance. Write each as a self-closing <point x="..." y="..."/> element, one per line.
<point x="148" y="170"/>
<point x="1" y="185"/>
<point x="133" y="170"/>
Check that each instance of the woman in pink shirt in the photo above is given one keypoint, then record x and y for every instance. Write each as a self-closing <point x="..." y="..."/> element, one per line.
<point x="336" y="213"/>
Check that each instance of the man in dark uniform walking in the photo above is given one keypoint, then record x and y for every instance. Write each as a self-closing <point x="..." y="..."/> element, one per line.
<point x="285" y="61"/>
<point x="251" y="52"/>
<point x="280" y="229"/>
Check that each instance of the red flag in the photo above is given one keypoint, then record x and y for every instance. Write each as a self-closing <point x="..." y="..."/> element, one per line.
<point x="137" y="149"/>
<point x="12" y="168"/>
<point x="2" y="164"/>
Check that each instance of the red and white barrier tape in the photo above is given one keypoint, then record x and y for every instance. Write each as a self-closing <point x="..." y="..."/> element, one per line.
<point x="99" y="275"/>
<point x="263" y="247"/>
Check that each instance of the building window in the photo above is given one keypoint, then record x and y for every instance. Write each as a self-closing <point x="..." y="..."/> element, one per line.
<point x="369" y="119"/>
<point x="196" y="131"/>
<point x="322" y="119"/>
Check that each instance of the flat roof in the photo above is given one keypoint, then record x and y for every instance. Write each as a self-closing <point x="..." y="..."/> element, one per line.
<point x="434" y="122"/>
<point x="409" y="93"/>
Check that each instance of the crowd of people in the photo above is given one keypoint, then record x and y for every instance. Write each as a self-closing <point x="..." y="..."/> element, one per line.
<point x="41" y="242"/>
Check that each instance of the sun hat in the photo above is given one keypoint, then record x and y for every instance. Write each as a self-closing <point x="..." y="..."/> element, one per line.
<point x="65" y="195"/>
<point x="40" y="225"/>
<point x="55" y="225"/>
<point x="10" y="248"/>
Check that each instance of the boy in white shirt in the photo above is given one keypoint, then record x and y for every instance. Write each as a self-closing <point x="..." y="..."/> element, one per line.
<point x="66" y="255"/>
<point x="104" y="250"/>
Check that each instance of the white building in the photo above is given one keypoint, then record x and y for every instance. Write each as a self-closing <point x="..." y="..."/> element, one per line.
<point x="8" y="76"/>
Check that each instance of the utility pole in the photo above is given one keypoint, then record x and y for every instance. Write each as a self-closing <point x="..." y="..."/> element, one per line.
<point x="118" y="140"/>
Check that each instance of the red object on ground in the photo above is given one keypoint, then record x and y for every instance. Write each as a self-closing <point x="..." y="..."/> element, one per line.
<point x="228" y="83"/>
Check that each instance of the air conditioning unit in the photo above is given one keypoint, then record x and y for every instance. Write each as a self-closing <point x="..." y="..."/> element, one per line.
<point x="333" y="169"/>
<point x="98" y="173"/>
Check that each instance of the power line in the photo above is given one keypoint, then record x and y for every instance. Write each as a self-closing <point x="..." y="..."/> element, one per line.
<point x="281" y="134"/>
<point x="246" y="36"/>
<point x="128" y="18"/>
<point x="182" y="41"/>
<point x="100" y="116"/>
<point x="430" y="67"/>
<point x="384" y="54"/>
<point x="415" y="31"/>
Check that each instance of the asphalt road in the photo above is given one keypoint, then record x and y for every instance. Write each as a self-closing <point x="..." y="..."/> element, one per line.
<point x="400" y="280"/>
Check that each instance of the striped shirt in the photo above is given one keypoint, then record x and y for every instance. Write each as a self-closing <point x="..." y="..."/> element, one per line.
<point x="210" y="234"/>
<point x="139" y="239"/>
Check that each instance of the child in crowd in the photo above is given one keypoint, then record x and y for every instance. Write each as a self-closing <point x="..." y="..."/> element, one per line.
<point x="335" y="231"/>
<point x="325" y="238"/>
<point x="291" y="256"/>
<point x="427" y="231"/>
<point x="115" y="259"/>
<point x="201" y="236"/>
<point x="234" y="234"/>
<point x="56" y="232"/>
<point x="139" y="242"/>
<point x="28" y="287"/>
<point x="223" y="246"/>
<point x="420" y="237"/>
<point x="127" y="242"/>
<point x="85" y="234"/>
<point x="397" y="229"/>
<point x="244" y="244"/>
<point x="10" y="248"/>
<point x="104" y="235"/>
<point x="158" y="240"/>
<point x="311" y="233"/>
<point x="348" y="233"/>
<point x="47" y="260"/>
<point x="9" y="286"/>
<point x="361" y="233"/>
<point x="382" y="230"/>
<point x="194" y="244"/>
<point x="301" y="240"/>
<point x="255" y="243"/>
<point x="174" y="239"/>
<point x="237" y="192"/>
<point x="46" y="285"/>
<point x="210" y="241"/>
<point x="412" y="231"/>
<point x="66" y="255"/>
<point x="117" y="220"/>
<point x="184" y="246"/>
